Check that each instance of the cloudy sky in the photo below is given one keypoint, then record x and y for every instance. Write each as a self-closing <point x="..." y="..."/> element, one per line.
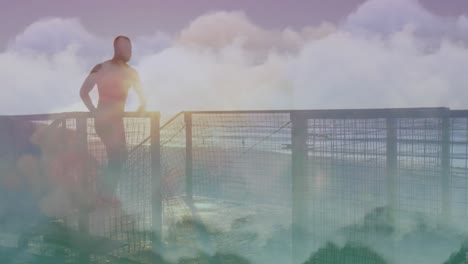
<point x="222" y="54"/>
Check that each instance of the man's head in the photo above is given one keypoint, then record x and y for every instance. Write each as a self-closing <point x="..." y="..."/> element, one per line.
<point x="122" y="48"/>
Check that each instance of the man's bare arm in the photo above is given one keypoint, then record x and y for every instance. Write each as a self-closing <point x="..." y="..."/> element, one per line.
<point x="87" y="86"/>
<point x="137" y="87"/>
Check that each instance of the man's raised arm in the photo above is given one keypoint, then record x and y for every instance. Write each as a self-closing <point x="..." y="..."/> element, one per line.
<point x="87" y="86"/>
<point x="137" y="87"/>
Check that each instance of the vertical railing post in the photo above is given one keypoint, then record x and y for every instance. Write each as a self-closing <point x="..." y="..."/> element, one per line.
<point x="83" y="217"/>
<point x="299" y="186"/>
<point x="188" y="157"/>
<point x="156" y="172"/>
<point x="445" y="169"/>
<point x="392" y="167"/>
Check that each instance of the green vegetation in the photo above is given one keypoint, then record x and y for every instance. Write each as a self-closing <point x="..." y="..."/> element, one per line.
<point x="349" y="254"/>
<point x="216" y="259"/>
<point x="459" y="257"/>
<point x="376" y="222"/>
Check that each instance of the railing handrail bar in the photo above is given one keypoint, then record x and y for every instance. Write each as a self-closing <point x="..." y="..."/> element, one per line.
<point x="348" y="113"/>
<point x="37" y="117"/>
<point x="316" y="113"/>
<point x="458" y="113"/>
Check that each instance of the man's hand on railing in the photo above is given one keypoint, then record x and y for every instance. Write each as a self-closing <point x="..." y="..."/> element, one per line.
<point x="141" y="109"/>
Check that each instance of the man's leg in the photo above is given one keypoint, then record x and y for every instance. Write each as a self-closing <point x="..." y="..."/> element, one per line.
<point x="112" y="172"/>
<point x="116" y="156"/>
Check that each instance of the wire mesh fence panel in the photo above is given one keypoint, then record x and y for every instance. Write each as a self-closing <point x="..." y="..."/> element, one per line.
<point x="346" y="176"/>
<point x="25" y="176"/>
<point x="379" y="186"/>
<point x="173" y="174"/>
<point x="242" y="157"/>
<point x="62" y="161"/>
<point x="419" y="165"/>
<point x="459" y="172"/>
<point x="32" y="151"/>
<point x="130" y="221"/>
<point x="240" y="178"/>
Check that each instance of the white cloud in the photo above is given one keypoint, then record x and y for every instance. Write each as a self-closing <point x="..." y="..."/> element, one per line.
<point x="347" y="71"/>
<point x="221" y="29"/>
<point x="223" y="60"/>
<point x="148" y="45"/>
<point x="227" y="79"/>
<point x="391" y="16"/>
<point x="53" y="35"/>
<point x="35" y="83"/>
<point x="388" y="16"/>
<point x="49" y="36"/>
<point x="44" y="66"/>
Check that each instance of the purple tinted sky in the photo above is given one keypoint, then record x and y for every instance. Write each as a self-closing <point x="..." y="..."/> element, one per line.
<point x="111" y="17"/>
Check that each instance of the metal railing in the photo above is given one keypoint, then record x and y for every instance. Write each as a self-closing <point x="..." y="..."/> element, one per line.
<point x="283" y="183"/>
<point x="71" y="157"/>
<point x="315" y="172"/>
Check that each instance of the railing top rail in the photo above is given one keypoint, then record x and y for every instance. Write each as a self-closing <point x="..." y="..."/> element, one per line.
<point x="459" y="113"/>
<point x="241" y="112"/>
<point x="349" y="113"/>
<point x="308" y="114"/>
<point x="53" y="116"/>
<point x="377" y="113"/>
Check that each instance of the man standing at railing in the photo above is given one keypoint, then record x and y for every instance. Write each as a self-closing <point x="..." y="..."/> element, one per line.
<point x="113" y="79"/>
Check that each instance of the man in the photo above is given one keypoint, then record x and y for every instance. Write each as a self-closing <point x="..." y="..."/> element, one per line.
<point x="113" y="79"/>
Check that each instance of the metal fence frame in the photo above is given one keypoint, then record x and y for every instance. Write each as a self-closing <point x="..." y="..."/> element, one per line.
<point x="300" y="150"/>
<point x="81" y="119"/>
<point x="299" y="155"/>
